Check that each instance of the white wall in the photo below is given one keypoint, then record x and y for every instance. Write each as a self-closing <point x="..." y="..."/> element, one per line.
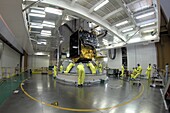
<point x="38" y="61"/>
<point x="142" y="54"/>
<point x="9" y="58"/>
<point x="117" y="62"/>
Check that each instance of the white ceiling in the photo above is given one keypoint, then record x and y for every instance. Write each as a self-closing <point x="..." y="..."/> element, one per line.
<point x="11" y="12"/>
<point x="108" y="16"/>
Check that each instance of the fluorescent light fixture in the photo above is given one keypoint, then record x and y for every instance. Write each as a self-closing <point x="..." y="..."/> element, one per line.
<point x="101" y="5"/>
<point x="145" y="15"/>
<point x="37" y="11"/>
<point x="53" y="11"/>
<point x="46" y="34"/>
<point x="36" y="15"/>
<point x="47" y="22"/>
<point x="34" y="32"/>
<point x="148" y="24"/>
<point x="105" y="59"/>
<point x="67" y="18"/>
<point x="121" y="23"/>
<point x="150" y="37"/>
<point x="134" y="40"/>
<point x="47" y="25"/>
<point x="68" y="54"/>
<point x="147" y="31"/>
<point x="46" y="31"/>
<point x="90" y="24"/>
<point x="44" y="43"/>
<point x="41" y="53"/>
<point x="38" y="27"/>
<point x="35" y="24"/>
<point x="126" y="30"/>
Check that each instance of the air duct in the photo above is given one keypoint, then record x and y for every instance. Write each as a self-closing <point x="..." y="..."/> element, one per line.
<point x="112" y="53"/>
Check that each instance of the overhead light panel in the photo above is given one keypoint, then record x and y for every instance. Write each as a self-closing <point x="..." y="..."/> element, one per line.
<point x="126" y="30"/>
<point x="37" y="15"/>
<point x="121" y="23"/>
<point x="47" y="22"/>
<point x="90" y="24"/>
<point x="53" y="11"/>
<point x="45" y="31"/>
<point x="44" y="43"/>
<point x="101" y="5"/>
<point x="148" y="24"/>
<point x="35" y="26"/>
<point x="67" y="18"/>
<point x="145" y="15"/>
<point x="37" y="11"/>
<point x="46" y="34"/>
<point x="47" y="25"/>
<point x="148" y="31"/>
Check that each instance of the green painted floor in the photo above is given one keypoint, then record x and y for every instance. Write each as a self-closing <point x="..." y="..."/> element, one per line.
<point x="7" y="86"/>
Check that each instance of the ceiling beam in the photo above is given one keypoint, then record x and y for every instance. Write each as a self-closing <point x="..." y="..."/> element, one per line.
<point x="148" y="21"/>
<point x="120" y="21"/>
<point x="131" y="3"/>
<point x="127" y="10"/>
<point x="112" y="13"/>
<point x="82" y="12"/>
<point x="91" y="9"/>
<point x="118" y="10"/>
<point x="73" y="2"/>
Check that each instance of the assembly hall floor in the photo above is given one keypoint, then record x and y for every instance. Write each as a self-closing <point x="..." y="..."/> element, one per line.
<point x="43" y="94"/>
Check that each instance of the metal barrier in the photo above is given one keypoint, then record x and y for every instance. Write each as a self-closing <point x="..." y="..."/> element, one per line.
<point x="41" y="70"/>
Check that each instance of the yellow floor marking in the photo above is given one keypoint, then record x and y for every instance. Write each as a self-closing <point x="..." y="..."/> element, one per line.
<point x="84" y="110"/>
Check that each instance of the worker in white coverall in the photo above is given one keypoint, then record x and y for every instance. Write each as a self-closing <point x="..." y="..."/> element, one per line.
<point x="81" y="74"/>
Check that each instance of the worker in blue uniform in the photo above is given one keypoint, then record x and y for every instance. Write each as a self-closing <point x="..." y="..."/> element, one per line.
<point x="81" y="74"/>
